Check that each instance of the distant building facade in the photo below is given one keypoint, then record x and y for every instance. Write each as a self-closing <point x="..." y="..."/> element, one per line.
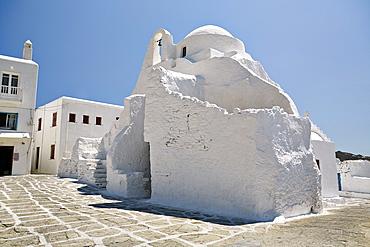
<point x="17" y="105"/>
<point x="61" y="122"/>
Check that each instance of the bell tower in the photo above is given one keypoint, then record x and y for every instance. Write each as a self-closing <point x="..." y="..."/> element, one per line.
<point x="27" y="50"/>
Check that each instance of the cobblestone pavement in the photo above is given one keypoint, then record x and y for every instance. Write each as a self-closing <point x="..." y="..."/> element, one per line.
<point x="43" y="210"/>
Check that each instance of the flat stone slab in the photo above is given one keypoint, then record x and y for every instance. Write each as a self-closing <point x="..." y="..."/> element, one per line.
<point x="44" y="210"/>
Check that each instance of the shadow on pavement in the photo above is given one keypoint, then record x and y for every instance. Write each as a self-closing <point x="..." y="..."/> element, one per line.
<point x="143" y="205"/>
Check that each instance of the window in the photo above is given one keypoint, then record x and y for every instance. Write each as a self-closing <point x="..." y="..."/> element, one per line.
<point x="8" y="121"/>
<point x="52" y="152"/>
<point x="9" y="84"/>
<point x="39" y="124"/>
<point x="318" y="164"/>
<point x="85" y="119"/>
<point x="98" y="120"/>
<point x="72" y="117"/>
<point x="183" y="51"/>
<point x="54" y="123"/>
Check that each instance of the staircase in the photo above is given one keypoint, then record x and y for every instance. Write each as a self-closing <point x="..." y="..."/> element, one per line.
<point x="93" y="172"/>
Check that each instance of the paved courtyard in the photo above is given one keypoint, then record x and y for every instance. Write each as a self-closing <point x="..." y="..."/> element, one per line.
<point x="43" y="210"/>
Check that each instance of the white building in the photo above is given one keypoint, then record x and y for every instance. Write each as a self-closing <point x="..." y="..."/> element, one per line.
<point x="61" y="122"/>
<point x="17" y="106"/>
<point x="206" y="129"/>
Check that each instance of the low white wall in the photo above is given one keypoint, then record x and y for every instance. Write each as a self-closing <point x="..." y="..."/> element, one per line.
<point x="360" y="168"/>
<point x="87" y="162"/>
<point x="355" y="175"/>
<point x="67" y="168"/>
<point x="355" y="184"/>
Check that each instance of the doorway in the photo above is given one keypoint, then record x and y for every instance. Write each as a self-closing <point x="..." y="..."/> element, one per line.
<point x="37" y="158"/>
<point x="6" y="160"/>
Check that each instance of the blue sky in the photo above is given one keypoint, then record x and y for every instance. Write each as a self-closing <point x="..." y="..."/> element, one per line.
<point x="318" y="51"/>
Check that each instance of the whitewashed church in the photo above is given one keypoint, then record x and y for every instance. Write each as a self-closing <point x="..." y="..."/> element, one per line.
<point x="204" y="129"/>
<point x="207" y="129"/>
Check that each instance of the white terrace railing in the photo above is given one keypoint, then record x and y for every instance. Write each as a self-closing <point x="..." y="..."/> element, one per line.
<point x="11" y="93"/>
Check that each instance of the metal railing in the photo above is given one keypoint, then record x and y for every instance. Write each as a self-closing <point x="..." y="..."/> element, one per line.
<point x="11" y="93"/>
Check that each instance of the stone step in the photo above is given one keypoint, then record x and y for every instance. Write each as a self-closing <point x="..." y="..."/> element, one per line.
<point x="101" y="185"/>
<point x="103" y="162"/>
<point x="101" y="170"/>
<point x="100" y="165"/>
<point x="99" y="175"/>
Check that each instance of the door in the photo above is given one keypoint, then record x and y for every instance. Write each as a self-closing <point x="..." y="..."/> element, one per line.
<point x="339" y="182"/>
<point x="6" y="160"/>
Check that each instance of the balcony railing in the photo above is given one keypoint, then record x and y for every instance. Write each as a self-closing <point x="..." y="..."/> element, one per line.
<point x="11" y="93"/>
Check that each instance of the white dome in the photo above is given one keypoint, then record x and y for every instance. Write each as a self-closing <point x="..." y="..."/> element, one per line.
<point x="209" y="29"/>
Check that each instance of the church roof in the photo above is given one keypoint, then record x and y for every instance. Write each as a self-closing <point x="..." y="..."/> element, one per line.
<point x="209" y="29"/>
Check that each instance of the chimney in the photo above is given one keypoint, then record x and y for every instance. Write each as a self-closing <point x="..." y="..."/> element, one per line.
<point x="27" y="50"/>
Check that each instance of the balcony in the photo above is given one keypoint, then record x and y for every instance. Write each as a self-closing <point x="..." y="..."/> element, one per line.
<point x="11" y="93"/>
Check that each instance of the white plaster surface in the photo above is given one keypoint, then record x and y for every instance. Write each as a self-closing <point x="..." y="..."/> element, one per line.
<point x="128" y="157"/>
<point x="223" y="137"/>
<point x="325" y="152"/>
<point x="227" y="76"/>
<point x="355" y="175"/>
<point x="85" y="150"/>
<point x="236" y="164"/>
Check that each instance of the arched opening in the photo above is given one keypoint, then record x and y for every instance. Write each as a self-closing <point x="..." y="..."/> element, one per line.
<point x="160" y="48"/>
<point x="183" y="51"/>
<point x="157" y="48"/>
<point x="159" y="43"/>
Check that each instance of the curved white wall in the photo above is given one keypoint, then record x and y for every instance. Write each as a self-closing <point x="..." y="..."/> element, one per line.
<point x="198" y="43"/>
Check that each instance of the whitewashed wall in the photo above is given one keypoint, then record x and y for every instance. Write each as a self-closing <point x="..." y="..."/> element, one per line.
<point x="355" y="175"/>
<point x="128" y="165"/>
<point x="253" y="164"/>
<point x="325" y="152"/>
<point x="223" y="137"/>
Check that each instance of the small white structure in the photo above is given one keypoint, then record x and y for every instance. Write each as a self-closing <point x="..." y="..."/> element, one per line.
<point x="324" y="151"/>
<point x="354" y="177"/>
<point x="207" y="129"/>
<point x="17" y="106"/>
<point x="61" y="122"/>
